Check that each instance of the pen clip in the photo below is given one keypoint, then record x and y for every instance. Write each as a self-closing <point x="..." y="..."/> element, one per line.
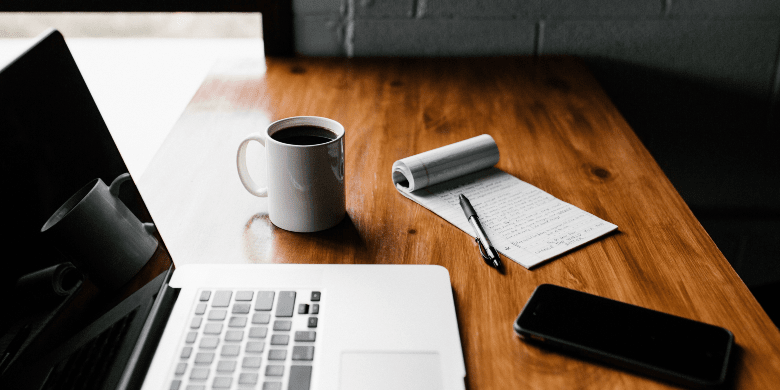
<point x="482" y="250"/>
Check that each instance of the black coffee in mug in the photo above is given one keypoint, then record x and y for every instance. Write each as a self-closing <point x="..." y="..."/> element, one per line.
<point x="304" y="135"/>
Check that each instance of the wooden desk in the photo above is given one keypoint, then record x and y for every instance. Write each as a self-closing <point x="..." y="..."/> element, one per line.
<point x="555" y="128"/>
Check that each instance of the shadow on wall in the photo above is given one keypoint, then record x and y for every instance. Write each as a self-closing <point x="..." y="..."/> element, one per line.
<point x="715" y="144"/>
<point x="719" y="147"/>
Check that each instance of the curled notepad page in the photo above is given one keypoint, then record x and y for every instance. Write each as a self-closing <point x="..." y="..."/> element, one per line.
<point x="445" y="163"/>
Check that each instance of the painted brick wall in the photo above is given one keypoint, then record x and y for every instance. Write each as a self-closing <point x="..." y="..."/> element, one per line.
<point x="730" y="43"/>
<point x="696" y="79"/>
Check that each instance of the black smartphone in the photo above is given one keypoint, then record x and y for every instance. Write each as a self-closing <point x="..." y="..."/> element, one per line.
<point x="649" y="342"/>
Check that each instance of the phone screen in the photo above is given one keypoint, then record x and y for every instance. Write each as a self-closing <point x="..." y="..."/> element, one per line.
<point x="673" y="347"/>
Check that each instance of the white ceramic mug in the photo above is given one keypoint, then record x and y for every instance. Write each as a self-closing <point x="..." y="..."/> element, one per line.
<point x="101" y="236"/>
<point x="305" y="187"/>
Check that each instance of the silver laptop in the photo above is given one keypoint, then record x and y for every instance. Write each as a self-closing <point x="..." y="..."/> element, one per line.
<point x="285" y="326"/>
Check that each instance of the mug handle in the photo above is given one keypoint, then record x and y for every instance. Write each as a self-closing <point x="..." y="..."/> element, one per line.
<point x="243" y="172"/>
<point x="113" y="189"/>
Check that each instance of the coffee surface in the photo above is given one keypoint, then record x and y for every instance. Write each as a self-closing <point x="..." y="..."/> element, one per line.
<point x="304" y="135"/>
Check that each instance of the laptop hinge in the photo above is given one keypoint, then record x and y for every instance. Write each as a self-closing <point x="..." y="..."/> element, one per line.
<point x="141" y="357"/>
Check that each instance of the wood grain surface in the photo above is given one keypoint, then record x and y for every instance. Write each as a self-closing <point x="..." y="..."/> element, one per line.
<point x="555" y="128"/>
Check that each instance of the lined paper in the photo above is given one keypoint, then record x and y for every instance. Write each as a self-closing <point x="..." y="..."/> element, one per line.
<point x="523" y="222"/>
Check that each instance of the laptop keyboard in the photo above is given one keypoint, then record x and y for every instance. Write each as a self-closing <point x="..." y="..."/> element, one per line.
<point x="249" y="339"/>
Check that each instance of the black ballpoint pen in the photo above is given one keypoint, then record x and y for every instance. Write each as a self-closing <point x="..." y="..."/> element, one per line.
<point x="489" y="254"/>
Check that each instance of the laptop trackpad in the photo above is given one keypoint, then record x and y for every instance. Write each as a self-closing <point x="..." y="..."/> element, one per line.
<point x="391" y="370"/>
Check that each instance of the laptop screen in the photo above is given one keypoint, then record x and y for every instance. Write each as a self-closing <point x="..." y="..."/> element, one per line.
<point x="53" y="142"/>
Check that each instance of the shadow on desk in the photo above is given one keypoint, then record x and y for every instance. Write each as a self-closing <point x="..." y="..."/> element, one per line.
<point x="343" y="241"/>
<point x="532" y="356"/>
<point x="717" y="144"/>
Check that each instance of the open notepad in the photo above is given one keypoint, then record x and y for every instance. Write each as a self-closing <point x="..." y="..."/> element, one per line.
<point x="524" y="223"/>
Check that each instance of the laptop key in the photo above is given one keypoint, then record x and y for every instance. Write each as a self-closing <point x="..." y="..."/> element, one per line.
<point x="272" y="386"/>
<point x="282" y="325"/>
<point x="175" y="384"/>
<point x="234" y="335"/>
<point x="237" y="322"/>
<point x="244" y="295"/>
<point x="315" y="296"/>
<point x="258" y="332"/>
<point x="200" y="308"/>
<point x="303" y="308"/>
<point x="180" y="369"/>
<point x="226" y="366"/>
<point x="277" y="354"/>
<point x="196" y="321"/>
<point x="312" y="323"/>
<point x="230" y="350"/>
<point x="251" y="362"/>
<point x="247" y="378"/>
<point x="221" y="298"/>
<point x="205" y="295"/>
<point x="255" y="347"/>
<point x="315" y="308"/>
<point x="222" y="382"/>
<point x="241" y="308"/>
<point x="199" y="374"/>
<point x="261" y="318"/>
<point x="202" y="358"/>
<point x="196" y="387"/>
<point x="286" y="304"/>
<point x="300" y="378"/>
<point x="191" y="336"/>
<point x="186" y="352"/>
<point x="209" y="342"/>
<point x="217" y="314"/>
<point x="274" y="370"/>
<point x="280" y="339"/>
<point x="213" y="328"/>
<point x="305" y="352"/>
<point x="265" y="300"/>
<point x="305" y="335"/>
